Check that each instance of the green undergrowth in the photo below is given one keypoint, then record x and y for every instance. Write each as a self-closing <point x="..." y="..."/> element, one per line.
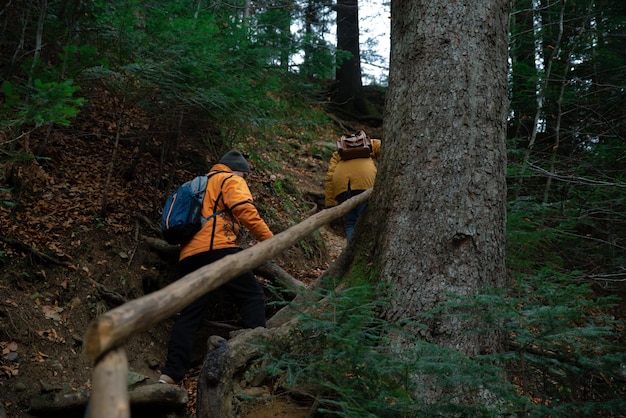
<point x="562" y="352"/>
<point x="343" y="355"/>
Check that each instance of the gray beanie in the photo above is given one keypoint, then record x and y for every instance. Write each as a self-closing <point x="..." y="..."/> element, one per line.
<point x="235" y="161"/>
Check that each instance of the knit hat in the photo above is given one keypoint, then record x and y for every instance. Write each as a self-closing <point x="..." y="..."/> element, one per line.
<point x="235" y="161"/>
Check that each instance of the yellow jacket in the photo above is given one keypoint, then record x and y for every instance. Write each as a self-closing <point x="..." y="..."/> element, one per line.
<point x="358" y="174"/>
<point x="227" y="195"/>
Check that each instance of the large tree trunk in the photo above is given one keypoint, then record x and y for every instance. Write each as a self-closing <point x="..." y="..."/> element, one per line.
<point x="436" y="220"/>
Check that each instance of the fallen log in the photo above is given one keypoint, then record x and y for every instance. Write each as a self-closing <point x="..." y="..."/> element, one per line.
<point x="275" y="273"/>
<point x="142" y="398"/>
<point x="223" y="372"/>
<point x="224" y="360"/>
<point x="159" y="395"/>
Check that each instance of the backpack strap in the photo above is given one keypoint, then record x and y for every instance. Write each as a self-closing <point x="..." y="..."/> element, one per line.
<point x="215" y="211"/>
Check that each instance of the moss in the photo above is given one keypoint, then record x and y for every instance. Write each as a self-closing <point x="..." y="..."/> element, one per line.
<point x="364" y="270"/>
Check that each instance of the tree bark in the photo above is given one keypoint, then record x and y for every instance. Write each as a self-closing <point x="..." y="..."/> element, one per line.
<point x="109" y="392"/>
<point x="223" y="361"/>
<point x="436" y="222"/>
<point x="227" y="361"/>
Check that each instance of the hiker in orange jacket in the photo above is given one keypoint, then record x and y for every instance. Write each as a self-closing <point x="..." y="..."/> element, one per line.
<point x="228" y="196"/>
<point x="347" y="178"/>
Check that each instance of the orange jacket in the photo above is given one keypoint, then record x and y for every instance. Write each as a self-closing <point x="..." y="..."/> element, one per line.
<point x="359" y="173"/>
<point x="227" y="195"/>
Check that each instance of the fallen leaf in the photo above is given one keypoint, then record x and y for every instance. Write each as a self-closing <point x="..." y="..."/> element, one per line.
<point x="11" y="302"/>
<point x="8" y="346"/>
<point x="52" y="312"/>
<point x="51" y="335"/>
<point x="39" y="357"/>
<point x="10" y="370"/>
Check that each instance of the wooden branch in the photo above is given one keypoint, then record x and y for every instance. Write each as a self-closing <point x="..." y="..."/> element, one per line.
<point x="158" y="394"/>
<point x="269" y="269"/>
<point x="153" y="226"/>
<point x="275" y="273"/>
<point x="23" y="246"/>
<point x="109" y="396"/>
<point x="142" y="399"/>
<point x="342" y="124"/>
<point x="337" y="269"/>
<point x="312" y="210"/>
<point x="108" y="294"/>
<point x="113" y="327"/>
<point x="165" y="250"/>
<point x="576" y="179"/>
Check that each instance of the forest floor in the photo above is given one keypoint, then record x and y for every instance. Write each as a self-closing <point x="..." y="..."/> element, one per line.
<point x="73" y="245"/>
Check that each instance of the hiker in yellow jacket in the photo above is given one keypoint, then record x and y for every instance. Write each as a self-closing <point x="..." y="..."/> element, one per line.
<point x="347" y="178"/>
<point x="229" y="198"/>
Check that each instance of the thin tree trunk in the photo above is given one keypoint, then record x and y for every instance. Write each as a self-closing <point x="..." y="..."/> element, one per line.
<point x="557" y="131"/>
<point x="349" y="90"/>
<point x="196" y="14"/>
<point x="43" y="9"/>
<point x="541" y="95"/>
<point x="247" y="10"/>
<point x="107" y="183"/>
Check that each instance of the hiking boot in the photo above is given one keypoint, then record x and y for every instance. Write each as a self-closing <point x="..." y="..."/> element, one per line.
<point x="166" y="379"/>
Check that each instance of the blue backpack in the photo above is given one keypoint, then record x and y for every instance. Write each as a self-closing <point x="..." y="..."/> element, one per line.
<point x="182" y="213"/>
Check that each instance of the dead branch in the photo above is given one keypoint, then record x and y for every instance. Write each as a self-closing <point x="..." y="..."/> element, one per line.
<point x="342" y="124"/>
<point x="153" y="226"/>
<point x="162" y="248"/>
<point x="109" y="295"/>
<point x="575" y="179"/>
<point x="275" y="273"/>
<point x="25" y="247"/>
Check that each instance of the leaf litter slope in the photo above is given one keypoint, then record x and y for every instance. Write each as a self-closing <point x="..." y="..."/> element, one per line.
<point x="65" y="262"/>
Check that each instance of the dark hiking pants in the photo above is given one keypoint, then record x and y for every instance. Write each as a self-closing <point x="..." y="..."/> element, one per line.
<point x="246" y="292"/>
